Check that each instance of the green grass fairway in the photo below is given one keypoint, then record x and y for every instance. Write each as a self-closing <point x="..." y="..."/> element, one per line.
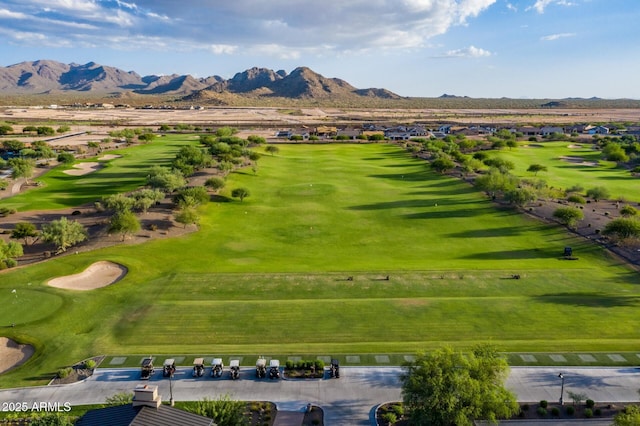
<point x="61" y="190"/>
<point x="269" y="275"/>
<point x="564" y="174"/>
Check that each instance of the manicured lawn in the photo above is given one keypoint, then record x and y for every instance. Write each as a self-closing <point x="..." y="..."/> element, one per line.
<point x="268" y="275"/>
<point x="564" y="174"/>
<point x="61" y="190"/>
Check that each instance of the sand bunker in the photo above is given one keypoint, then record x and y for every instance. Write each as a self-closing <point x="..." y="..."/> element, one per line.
<point x="81" y="169"/>
<point x="574" y="146"/>
<point x="97" y="275"/>
<point x="579" y="161"/>
<point x="13" y="354"/>
<point x="107" y="157"/>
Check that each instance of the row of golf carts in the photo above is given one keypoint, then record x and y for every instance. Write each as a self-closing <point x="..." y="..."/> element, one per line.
<point x="217" y="368"/>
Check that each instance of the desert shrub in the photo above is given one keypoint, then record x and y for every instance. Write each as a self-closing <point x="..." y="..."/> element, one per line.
<point x="90" y="364"/>
<point x="289" y="365"/>
<point x="541" y="411"/>
<point x="628" y="211"/>
<point x="64" y="372"/>
<point x="588" y="413"/>
<point x="319" y="364"/>
<point x="597" y="412"/>
<point x="575" y="188"/>
<point x="590" y="403"/>
<point x="399" y="410"/>
<point x="570" y="410"/>
<point x="555" y="411"/>
<point x="574" y="198"/>
<point x="544" y="403"/>
<point x="389" y="418"/>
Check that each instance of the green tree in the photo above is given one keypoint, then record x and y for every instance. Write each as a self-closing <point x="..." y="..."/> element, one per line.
<point x="226" y="131"/>
<point x="614" y="152"/>
<point x="272" y="149"/>
<point x="535" y="168"/>
<point x="187" y="216"/>
<point x="447" y="388"/>
<point x="145" y="198"/>
<point x="623" y="228"/>
<point x="495" y="182"/>
<point x="124" y="223"/>
<point x="29" y="129"/>
<point x="12" y="145"/>
<point x="165" y="179"/>
<point x="25" y="231"/>
<point x="63" y="129"/>
<point x="215" y="183"/>
<point x="45" y="131"/>
<point x="191" y="197"/>
<point x="241" y="193"/>
<point x="443" y="164"/>
<point x="569" y="216"/>
<point x="63" y="233"/>
<point x="22" y="168"/>
<point x="521" y="196"/>
<point x="598" y="193"/>
<point x="5" y="129"/>
<point x="66" y="158"/>
<point x="256" y="140"/>
<point x="630" y="416"/>
<point x="8" y="253"/>
<point x="118" y="202"/>
<point x="511" y="143"/>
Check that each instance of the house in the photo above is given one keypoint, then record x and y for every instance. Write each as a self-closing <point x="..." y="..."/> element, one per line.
<point x="548" y="130"/>
<point x="598" y="130"/>
<point x="347" y="133"/>
<point x="145" y="410"/>
<point x="445" y="128"/>
<point x="527" y="130"/>
<point x="284" y="134"/>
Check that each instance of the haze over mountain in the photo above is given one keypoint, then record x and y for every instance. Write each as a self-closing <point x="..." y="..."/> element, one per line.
<point x="45" y="76"/>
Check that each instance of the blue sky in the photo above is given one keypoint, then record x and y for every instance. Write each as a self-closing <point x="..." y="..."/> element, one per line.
<point x="477" y="48"/>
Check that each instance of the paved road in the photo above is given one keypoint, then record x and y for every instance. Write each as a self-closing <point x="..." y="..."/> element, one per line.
<point x="350" y="400"/>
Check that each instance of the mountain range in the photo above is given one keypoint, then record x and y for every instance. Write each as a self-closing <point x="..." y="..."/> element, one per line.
<point x="51" y="77"/>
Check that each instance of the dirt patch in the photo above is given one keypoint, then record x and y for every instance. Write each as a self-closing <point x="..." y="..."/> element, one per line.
<point x="13" y="354"/>
<point x="97" y="275"/>
<point x="82" y="169"/>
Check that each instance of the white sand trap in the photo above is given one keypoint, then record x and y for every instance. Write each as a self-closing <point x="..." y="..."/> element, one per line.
<point x="579" y="161"/>
<point x="13" y="354"/>
<point x="107" y="157"/>
<point x="97" y="275"/>
<point x="573" y="146"/>
<point x="82" y="169"/>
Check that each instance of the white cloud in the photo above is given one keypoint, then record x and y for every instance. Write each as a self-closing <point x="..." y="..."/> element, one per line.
<point x="467" y="52"/>
<point x="511" y="7"/>
<point x="222" y="49"/>
<point x="553" y="37"/>
<point x="281" y="28"/>
<point x="7" y="14"/>
<point x="540" y="5"/>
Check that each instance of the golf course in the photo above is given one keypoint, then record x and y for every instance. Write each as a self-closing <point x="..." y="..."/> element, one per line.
<point x="339" y="249"/>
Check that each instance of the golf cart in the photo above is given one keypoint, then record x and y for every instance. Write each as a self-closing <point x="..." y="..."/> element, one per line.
<point x="335" y="369"/>
<point x="261" y="368"/>
<point x="169" y="367"/>
<point x="198" y="367"/>
<point x="234" y="369"/>
<point x="274" y="369"/>
<point x="216" y="367"/>
<point x="147" y="369"/>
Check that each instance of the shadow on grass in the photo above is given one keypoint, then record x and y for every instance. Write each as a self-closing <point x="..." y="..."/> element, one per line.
<point x="507" y="231"/>
<point x="533" y="253"/>
<point x="589" y="300"/>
